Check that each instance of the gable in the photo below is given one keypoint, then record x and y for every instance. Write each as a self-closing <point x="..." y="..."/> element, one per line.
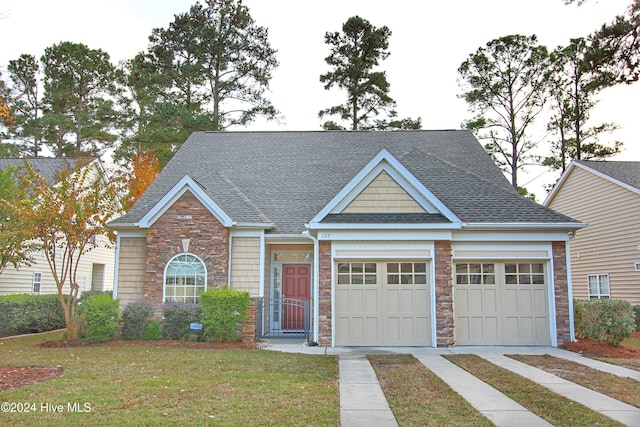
<point x="376" y="188"/>
<point x="186" y="184"/>
<point x="383" y="195"/>
<point x="581" y="180"/>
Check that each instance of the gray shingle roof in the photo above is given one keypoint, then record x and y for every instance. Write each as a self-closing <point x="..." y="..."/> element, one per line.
<point x="48" y="167"/>
<point x="626" y="172"/>
<point x="286" y="178"/>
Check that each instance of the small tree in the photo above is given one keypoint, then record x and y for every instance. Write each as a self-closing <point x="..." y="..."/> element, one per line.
<point x="16" y="248"/>
<point x="143" y="170"/>
<point x="62" y="219"/>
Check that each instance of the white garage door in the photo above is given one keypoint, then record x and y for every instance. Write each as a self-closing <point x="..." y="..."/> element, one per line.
<point x="382" y="303"/>
<point x="501" y="303"/>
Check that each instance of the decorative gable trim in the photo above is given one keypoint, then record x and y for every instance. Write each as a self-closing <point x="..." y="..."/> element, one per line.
<point x="185" y="184"/>
<point x="384" y="161"/>
<point x="604" y="176"/>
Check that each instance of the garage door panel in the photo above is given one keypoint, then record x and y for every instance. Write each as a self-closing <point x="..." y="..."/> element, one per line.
<point x="490" y="311"/>
<point x="540" y="301"/>
<point x="381" y="313"/>
<point x="491" y="328"/>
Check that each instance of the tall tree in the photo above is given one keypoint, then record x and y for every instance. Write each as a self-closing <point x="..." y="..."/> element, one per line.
<point x="150" y="119"/>
<point x="354" y="54"/>
<point x="573" y="85"/>
<point x="219" y="60"/>
<point x="615" y="47"/>
<point x="504" y="84"/>
<point x="78" y="90"/>
<point x="63" y="218"/>
<point x="26" y="99"/>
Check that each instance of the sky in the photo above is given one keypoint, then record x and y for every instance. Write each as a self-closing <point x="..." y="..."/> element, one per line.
<point x="429" y="41"/>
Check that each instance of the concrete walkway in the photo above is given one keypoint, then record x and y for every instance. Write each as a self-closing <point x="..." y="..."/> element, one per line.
<point x="494" y="405"/>
<point x="362" y="402"/>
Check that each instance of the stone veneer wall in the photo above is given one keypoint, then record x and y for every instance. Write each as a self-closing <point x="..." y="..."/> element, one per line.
<point x="324" y="297"/>
<point x="187" y="226"/>
<point x="444" y="294"/>
<point x="561" y="292"/>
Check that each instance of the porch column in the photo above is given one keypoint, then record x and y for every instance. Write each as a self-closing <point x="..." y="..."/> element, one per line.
<point x="444" y="294"/>
<point x="561" y="292"/>
<point x="324" y="294"/>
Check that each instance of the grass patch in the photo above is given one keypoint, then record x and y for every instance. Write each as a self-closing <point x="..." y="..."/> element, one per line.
<point x="632" y="341"/>
<point x="418" y="397"/>
<point x="553" y="408"/>
<point x="624" y="389"/>
<point x="149" y="386"/>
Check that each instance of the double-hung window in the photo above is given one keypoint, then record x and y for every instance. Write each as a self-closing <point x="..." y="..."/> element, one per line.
<point x="598" y="286"/>
<point x="36" y="282"/>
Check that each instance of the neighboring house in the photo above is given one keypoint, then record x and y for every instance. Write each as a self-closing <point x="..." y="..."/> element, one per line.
<point x="605" y="256"/>
<point x="96" y="268"/>
<point x="403" y="238"/>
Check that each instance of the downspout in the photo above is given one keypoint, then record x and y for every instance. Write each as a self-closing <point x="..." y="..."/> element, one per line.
<point x="316" y="281"/>
<point x="229" y="260"/>
<point x="116" y="267"/>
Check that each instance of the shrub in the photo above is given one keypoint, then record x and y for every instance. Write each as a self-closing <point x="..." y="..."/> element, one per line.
<point x="177" y="317"/>
<point x="26" y="313"/>
<point x="152" y="331"/>
<point x="610" y="320"/>
<point x="101" y="313"/>
<point x="636" y="311"/>
<point x="223" y="312"/>
<point x="135" y="317"/>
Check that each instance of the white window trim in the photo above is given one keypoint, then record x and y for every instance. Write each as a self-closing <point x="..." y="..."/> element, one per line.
<point x="34" y="282"/>
<point x="599" y="295"/>
<point x="166" y="266"/>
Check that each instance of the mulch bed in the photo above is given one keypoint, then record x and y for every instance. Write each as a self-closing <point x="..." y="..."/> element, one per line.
<point x="603" y="349"/>
<point x="12" y="377"/>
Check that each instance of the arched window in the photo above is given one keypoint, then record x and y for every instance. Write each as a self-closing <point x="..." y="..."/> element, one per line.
<point x="185" y="277"/>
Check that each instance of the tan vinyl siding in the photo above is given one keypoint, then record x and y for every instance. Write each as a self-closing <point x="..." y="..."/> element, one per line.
<point x="245" y="265"/>
<point x="383" y="195"/>
<point x="610" y="242"/>
<point x="14" y="281"/>
<point x="131" y="270"/>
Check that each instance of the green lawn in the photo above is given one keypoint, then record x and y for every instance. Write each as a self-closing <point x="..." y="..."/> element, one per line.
<point x="149" y="385"/>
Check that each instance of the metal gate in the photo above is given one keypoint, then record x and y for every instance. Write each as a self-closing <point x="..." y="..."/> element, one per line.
<point x="283" y="318"/>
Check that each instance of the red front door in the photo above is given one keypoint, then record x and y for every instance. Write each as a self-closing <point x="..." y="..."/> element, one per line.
<point x="296" y="280"/>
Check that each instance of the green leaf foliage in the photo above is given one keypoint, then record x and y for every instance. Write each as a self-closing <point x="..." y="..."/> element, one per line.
<point x="573" y="85"/>
<point x="223" y="312"/>
<point x="26" y="313"/>
<point x="101" y="313"/>
<point x="355" y="52"/>
<point x="610" y="320"/>
<point x="177" y="318"/>
<point x="79" y="84"/>
<point x="135" y="317"/>
<point x="152" y="331"/>
<point x="504" y="84"/>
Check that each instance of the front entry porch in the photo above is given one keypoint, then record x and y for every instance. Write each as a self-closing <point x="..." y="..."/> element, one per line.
<point x="287" y="314"/>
